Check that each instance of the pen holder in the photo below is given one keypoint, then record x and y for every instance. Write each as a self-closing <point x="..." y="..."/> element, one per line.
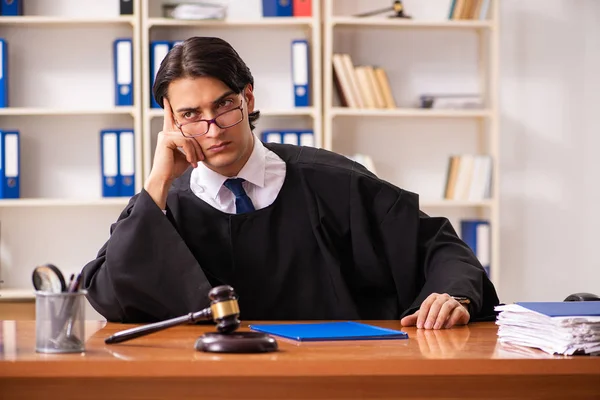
<point x="59" y="322"/>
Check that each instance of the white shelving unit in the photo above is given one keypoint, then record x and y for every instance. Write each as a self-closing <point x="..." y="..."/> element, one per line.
<point x="61" y="95"/>
<point x="410" y="146"/>
<point x="43" y="111"/>
<point x="259" y="41"/>
<point x="65" y="20"/>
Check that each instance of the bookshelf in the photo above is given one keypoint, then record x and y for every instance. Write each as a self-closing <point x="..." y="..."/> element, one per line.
<point x="62" y="218"/>
<point x="38" y="20"/>
<point x="61" y="95"/>
<point x="410" y="146"/>
<point x="248" y="32"/>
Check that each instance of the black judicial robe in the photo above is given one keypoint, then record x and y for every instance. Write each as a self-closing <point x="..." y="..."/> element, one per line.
<point x="337" y="243"/>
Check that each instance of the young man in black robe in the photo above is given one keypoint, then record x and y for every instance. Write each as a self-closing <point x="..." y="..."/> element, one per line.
<point x="300" y="233"/>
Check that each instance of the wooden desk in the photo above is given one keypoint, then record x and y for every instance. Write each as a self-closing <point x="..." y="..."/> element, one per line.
<point x="17" y="304"/>
<point x="463" y="362"/>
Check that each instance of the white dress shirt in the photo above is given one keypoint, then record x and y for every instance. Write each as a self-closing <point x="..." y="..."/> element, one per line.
<point x="264" y="173"/>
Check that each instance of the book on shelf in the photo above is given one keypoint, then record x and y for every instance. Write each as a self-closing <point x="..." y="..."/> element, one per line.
<point x="3" y="73"/>
<point x="302" y="137"/>
<point x="468" y="177"/>
<point x="477" y="235"/>
<point x="11" y="8"/>
<point x="451" y="101"/>
<point x="286" y="8"/>
<point x="10" y="164"/>
<point x="361" y="86"/>
<point x="117" y="156"/>
<point x="469" y="9"/>
<point x="195" y="11"/>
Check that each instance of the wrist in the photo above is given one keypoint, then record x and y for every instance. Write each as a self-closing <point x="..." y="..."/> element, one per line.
<point x="158" y="189"/>
<point x="463" y="301"/>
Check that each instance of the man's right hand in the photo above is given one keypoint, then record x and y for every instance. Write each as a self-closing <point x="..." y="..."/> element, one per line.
<point x="169" y="162"/>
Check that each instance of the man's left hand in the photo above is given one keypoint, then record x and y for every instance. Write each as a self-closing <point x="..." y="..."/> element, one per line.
<point x="438" y="311"/>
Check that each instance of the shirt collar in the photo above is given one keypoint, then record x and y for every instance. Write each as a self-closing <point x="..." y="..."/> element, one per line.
<point x="253" y="171"/>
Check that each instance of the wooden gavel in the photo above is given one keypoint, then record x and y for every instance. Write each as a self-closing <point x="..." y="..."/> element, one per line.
<point x="223" y="310"/>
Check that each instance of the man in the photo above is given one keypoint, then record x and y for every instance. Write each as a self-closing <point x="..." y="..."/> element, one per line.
<point x="300" y="233"/>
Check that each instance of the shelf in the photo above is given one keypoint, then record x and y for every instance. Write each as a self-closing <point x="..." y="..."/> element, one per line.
<point x="16" y="295"/>
<point x="66" y="111"/>
<point x="51" y="20"/>
<point x="408" y="112"/>
<point x="292" y="112"/>
<point x="409" y="23"/>
<point x="455" y="203"/>
<point x="283" y="21"/>
<point x="300" y="111"/>
<point x="116" y="201"/>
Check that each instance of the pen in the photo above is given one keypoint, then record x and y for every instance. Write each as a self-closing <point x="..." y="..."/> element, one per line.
<point x="74" y="284"/>
<point x="70" y="282"/>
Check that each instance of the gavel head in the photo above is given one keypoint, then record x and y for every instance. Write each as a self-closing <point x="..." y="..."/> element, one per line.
<point x="225" y="309"/>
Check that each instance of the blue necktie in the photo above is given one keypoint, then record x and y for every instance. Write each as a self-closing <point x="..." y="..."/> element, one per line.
<point x="243" y="204"/>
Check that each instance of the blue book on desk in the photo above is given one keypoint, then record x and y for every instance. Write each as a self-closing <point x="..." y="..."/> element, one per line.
<point x="324" y="331"/>
<point x="564" y="308"/>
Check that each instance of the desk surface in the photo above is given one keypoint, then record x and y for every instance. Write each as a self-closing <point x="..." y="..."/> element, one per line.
<point x="17" y="295"/>
<point x="469" y="352"/>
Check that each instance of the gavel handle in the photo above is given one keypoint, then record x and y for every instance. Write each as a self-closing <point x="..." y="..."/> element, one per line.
<point x="375" y="12"/>
<point x="133" y="333"/>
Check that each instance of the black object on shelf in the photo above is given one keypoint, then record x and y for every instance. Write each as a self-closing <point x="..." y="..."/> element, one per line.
<point x="126" y="7"/>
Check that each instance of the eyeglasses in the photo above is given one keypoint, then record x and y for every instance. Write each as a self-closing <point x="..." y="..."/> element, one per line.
<point x="201" y="127"/>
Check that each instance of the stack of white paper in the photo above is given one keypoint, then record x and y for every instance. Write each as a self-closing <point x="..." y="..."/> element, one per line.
<point x="565" y="328"/>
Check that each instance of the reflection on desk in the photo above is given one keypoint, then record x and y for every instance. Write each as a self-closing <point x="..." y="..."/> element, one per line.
<point x="463" y="362"/>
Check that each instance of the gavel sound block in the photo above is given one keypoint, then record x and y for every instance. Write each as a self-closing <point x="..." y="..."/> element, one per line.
<point x="224" y="311"/>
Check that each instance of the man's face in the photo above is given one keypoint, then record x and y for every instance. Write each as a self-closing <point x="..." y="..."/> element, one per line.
<point x="203" y="98"/>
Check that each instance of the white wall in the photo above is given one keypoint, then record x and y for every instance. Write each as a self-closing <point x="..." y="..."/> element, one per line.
<point x="550" y="124"/>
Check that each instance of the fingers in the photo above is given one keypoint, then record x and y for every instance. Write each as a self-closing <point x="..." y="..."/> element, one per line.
<point x="425" y="309"/>
<point x="444" y="307"/>
<point x="189" y="147"/>
<point x="410" y="320"/>
<point x="198" y="149"/>
<point x="459" y="316"/>
<point x="168" y="121"/>
<point x="441" y="311"/>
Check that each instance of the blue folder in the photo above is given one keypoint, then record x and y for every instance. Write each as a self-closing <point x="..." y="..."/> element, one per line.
<point x="277" y="8"/>
<point x="123" y="71"/>
<point x="3" y="73"/>
<point x="323" y="331"/>
<point x="12" y="7"/>
<point x="564" y="308"/>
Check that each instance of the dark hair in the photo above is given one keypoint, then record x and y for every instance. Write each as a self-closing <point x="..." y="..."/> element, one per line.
<point x="204" y="56"/>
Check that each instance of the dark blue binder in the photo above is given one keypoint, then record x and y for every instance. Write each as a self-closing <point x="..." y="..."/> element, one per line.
<point x="564" y="308"/>
<point x="271" y="137"/>
<point x="158" y="51"/>
<point x="300" y="73"/>
<point x="109" y="147"/>
<point x="126" y="162"/>
<point x="123" y="71"/>
<point x="277" y="8"/>
<point x="10" y="165"/>
<point x="325" y="331"/>
<point x="469" y="234"/>
<point x="3" y="73"/>
<point x="12" y="7"/>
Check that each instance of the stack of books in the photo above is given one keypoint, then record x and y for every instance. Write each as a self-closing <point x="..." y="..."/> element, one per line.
<point x="361" y="86"/>
<point x="469" y="177"/>
<point x="565" y="328"/>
